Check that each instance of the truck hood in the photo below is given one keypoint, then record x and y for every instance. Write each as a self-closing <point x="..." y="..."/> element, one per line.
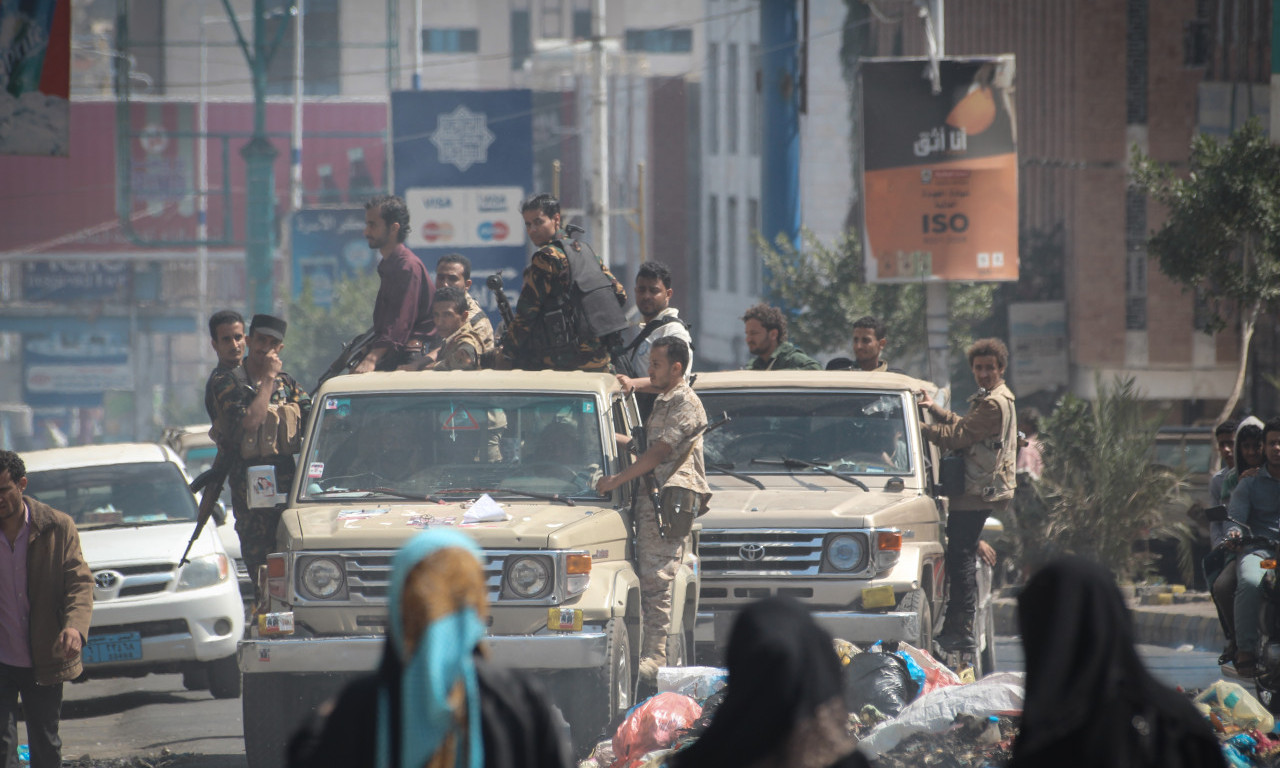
<point x="105" y="547"/>
<point x="808" y="505"/>
<point x="372" y="525"/>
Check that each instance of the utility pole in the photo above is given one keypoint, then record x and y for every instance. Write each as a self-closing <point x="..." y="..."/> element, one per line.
<point x="936" y="311"/>
<point x="1275" y="71"/>
<point x="295" y="159"/>
<point x="259" y="156"/>
<point x="598" y="210"/>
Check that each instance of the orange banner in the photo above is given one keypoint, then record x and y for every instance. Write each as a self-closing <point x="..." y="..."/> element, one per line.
<point x="940" y="170"/>
<point x="949" y="221"/>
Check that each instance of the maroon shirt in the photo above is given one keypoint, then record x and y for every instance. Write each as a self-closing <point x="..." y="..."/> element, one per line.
<point x="403" y="307"/>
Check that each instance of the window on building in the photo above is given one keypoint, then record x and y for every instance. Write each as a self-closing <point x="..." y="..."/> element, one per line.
<point x="713" y="98"/>
<point x="582" y="24"/>
<point x="731" y="96"/>
<point x="321" y="50"/>
<point x="713" y="243"/>
<point x="754" y="115"/>
<point x="521" y="39"/>
<point x="659" y="40"/>
<point x="551" y="20"/>
<point x="731" y="232"/>
<point x="459" y="40"/>
<point x="753" y="246"/>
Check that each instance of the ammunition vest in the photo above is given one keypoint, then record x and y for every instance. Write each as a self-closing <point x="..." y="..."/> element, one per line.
<point x="587" y="311"/>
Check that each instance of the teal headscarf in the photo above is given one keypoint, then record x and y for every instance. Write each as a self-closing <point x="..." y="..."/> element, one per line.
<point x="442" y="657"/>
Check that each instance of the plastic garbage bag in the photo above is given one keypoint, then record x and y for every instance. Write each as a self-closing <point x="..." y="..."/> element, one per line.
<point x="696" y="682"/>
<point x="913" y="669"/>
<point x="936" y="674"/>
<point x="1232" y="703"/>
<point x="998" y="693"/>
<point x="879" y="679"/>
<point x="653" y="725"/>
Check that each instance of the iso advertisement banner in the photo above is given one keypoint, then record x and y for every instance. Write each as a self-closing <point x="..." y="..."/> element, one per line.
<point x="940" y="171"/>
<point x="463" y="162"/>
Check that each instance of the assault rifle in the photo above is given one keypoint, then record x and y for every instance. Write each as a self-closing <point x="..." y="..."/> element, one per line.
<point x="651" y="482"/>
<point x="350" y="356"/>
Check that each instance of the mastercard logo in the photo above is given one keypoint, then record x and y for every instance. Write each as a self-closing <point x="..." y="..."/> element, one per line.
<point x="493" y="230"/>
<point x="437" y="230"/>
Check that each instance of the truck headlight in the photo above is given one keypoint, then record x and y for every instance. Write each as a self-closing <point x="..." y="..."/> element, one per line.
<point x="844" y="552"/>
<point x="321" y="578"/>
<point x="204" y="572"/>
<point x="528" y="577"/>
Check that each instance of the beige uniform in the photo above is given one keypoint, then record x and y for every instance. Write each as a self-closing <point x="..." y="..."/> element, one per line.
<point x="676" y="419"/>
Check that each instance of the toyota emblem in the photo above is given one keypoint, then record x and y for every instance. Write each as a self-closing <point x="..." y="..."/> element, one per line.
<point x="751" y="552"/>
<point x="106" y="579"/>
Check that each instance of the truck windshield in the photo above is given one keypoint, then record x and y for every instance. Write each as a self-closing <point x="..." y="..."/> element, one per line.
<point x="851" y="432"/>
<point x="438" y="443"/>
<point x="118" y="496"/>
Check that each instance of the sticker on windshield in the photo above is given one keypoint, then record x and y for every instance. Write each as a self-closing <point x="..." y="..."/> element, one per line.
<point x="588" y="406"/>
<point x="315" y="469"/>
<point x="428" y="520"/>
<point x="460" y="420"/>
<point x="340" y="404"/>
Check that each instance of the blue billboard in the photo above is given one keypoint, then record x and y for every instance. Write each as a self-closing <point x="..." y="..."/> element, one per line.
<point x="327" y="246"/>
<point x="463" y="161"/>
<point x="73" y="370"/>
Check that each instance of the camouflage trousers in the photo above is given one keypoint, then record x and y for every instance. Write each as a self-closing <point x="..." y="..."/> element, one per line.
<point x="658" y="561"/>
<point x="257" y="531"/>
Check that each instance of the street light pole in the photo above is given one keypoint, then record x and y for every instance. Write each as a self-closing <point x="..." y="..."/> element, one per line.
<point x="936" y="310"/>
<point x="599" y="208"/>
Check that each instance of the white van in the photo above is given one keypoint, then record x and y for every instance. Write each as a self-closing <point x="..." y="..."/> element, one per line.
<point x="135" y="515"/>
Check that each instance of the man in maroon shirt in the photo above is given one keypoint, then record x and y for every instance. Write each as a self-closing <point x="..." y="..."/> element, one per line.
<point x="402" y="312"/>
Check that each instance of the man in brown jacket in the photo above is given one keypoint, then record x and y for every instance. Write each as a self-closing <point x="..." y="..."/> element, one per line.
<point x="46" y="601"/>
<point x="987" y="438"/>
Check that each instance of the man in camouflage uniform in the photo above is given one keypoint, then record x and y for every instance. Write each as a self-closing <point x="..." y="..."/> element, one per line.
<point x="226" y="336"/>
<point x="674" y="456"/>
<point x="453" y="270"/>
<point x="242" y="396"/>
<point x="546" y="280"/>
<point x="463" y="344"/>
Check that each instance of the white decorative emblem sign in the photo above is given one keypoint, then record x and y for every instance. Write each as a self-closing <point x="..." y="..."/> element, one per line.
<point x="462" y="138"/>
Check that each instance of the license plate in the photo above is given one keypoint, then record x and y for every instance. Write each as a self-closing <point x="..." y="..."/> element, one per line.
<point x="125" y="646"/>
<point x="564" y="619"/>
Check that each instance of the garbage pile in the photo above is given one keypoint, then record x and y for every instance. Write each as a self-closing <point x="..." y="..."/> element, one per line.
<point x="906" y="709"/>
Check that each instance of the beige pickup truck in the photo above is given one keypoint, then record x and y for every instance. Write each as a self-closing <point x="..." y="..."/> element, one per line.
<point x="389" y="454"/>
<point x="825" y="491"/>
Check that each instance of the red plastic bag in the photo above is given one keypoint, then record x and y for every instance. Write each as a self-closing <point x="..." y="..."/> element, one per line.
<point x="653" y="725"/>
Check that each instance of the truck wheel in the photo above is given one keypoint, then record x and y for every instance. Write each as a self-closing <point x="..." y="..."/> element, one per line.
<point x="594" y="697"/>
<point x="678" y="648"/>
<point x="195" y="678"/>
<point x="224" y="678"/>
<point x="917" y="602"/>
<point x="264" y="735"/>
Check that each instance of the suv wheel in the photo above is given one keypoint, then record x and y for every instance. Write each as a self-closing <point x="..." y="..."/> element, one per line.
<point x="917" y="602"/>
<point x="678" y="647"/>
<point x="195" y="678"/>
<point x="592" y="698"/>
<point x="224" y="678"/>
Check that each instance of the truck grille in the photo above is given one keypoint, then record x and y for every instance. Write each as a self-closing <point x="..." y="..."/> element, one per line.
<point x="116" y="582"/>
<point x="369" y="575"/>
<point x="764" y="552"/>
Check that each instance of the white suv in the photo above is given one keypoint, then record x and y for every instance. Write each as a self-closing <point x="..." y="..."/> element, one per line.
<point x="135" y="515"/>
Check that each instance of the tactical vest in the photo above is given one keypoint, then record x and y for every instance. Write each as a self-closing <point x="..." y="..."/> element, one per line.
<point x="588" y="310"/>
<point x="990" y="466"/>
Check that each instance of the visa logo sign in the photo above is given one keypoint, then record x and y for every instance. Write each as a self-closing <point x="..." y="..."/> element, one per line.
<point x="436" y="203"/>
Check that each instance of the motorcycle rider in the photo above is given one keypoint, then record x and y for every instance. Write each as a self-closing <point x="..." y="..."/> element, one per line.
<point x="1255" y="504"/>
<point x="1220" y="564"/>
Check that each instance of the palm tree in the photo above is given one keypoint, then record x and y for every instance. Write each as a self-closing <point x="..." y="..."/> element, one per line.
<point x="1101" y="491"/>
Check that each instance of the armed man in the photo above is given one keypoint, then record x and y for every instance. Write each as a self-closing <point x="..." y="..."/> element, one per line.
<point x="402" y="310"/>
<point x="674" y="456"/>
<point x="569" y="313"/>
<point x="251" y="401"/>
<point x="226" y="336"/>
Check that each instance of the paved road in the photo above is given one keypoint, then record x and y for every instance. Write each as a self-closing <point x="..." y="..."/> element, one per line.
<point x="136" y="718"/>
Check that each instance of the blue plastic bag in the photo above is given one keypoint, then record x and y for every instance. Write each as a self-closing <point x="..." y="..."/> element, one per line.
<point x="913" y="669"/>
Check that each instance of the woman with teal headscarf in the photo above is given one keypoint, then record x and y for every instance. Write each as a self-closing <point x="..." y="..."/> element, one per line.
<point x="446" y="706"/>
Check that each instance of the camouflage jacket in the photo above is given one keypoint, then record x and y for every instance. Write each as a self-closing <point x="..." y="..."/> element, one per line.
<point x="677" y="416"/>
<point x="461" y="351"/>
<point x="546" y="280"/>
<point x="232" y="395"/>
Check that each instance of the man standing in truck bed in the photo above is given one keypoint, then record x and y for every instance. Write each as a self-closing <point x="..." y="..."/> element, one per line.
<point x="675" y="457"/>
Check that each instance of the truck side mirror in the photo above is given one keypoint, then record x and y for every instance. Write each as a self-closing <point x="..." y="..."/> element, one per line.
<point x="219" y="513"/>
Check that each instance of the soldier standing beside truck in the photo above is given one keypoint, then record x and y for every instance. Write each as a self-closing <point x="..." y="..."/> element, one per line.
<point x="674" y="456"/>
<point x="987" y="438"/>
<point x="244" y="397"/>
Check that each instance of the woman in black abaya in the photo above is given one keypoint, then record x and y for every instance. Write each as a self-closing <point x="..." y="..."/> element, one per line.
<point x="1089" y="699"/>
<point x="785" y="704"/>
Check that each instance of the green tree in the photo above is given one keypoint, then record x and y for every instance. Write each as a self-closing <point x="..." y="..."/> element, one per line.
<point x="827" y="290"/>
<point x="1101" y="491"/>
<point x="317" y="333"/>
<point x="1223" y="231"/>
